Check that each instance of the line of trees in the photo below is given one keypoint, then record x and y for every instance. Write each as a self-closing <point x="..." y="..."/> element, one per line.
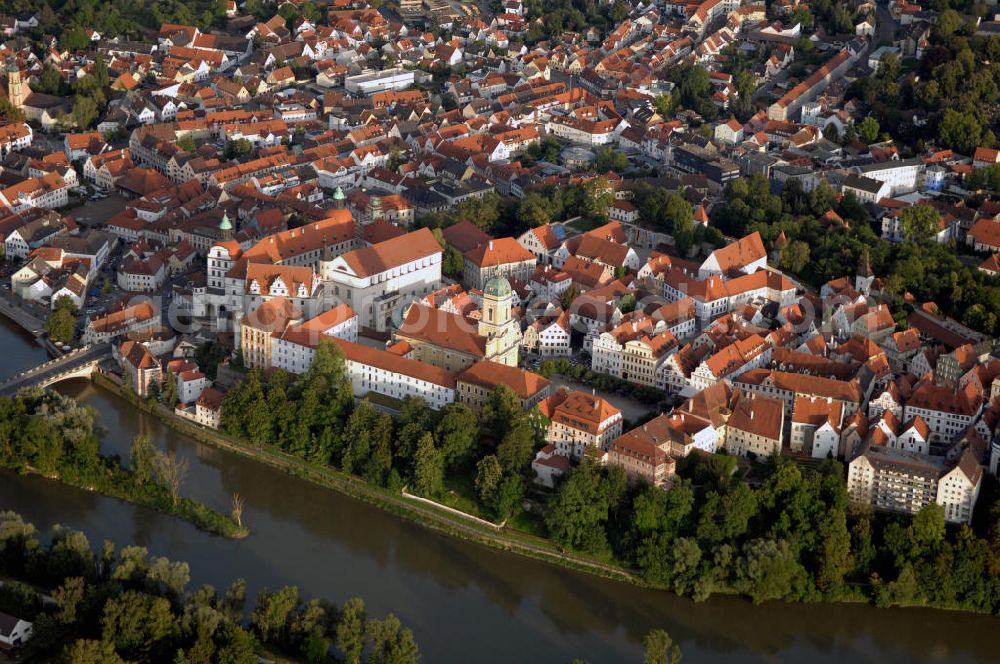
<point x="508" y="216"/>
<point x="47" y="433"/>
<point x="112" y="607"/>
<point x="315" y="418"/>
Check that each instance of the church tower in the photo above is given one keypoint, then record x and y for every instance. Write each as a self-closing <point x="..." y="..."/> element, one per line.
<point x="497" y="324"/>
<point x="864" y="278"/>
<point x="225" y="228"/>
<point x="17" y="87"/>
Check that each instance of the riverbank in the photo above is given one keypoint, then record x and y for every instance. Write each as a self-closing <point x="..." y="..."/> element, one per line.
<point x="437" y="519"/>
<point x="52" y="436"/>
<point x="466" y="527"/>
<point x="114" y="487"/>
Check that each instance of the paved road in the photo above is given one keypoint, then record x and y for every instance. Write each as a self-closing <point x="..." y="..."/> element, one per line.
<point x="885" y="26"/>
<point x="30" y="316"/>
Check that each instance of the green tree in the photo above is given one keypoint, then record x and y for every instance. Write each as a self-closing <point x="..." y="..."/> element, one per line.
<point x="168" y="394"/>
<point x="351" y="630"/>
<point x="84" y="111"/>
<point x="516" y="449"/>
<point x="920" y="223"/>
<point x="489" y="474"/>
<point x="136" y="623"/>
<point x="577" y="516"/>
<point x="391" y="643"/>
<point x="948" y="22"/>
<point x="91" y="651"/>
<point x="271" y="614"/>
<point x="61" y="325"/>
<point x="142" y="455"/>
<point x="428" y="467"/>
<point x="868" y="130"/>
<point x="835" y="559"/>
<point x="927" y="530"/>
<point x="534" y="210"/>
<point x="509" y="497"/>
<point x="457" y="433"/>
<point x="961" y="131"/>
<point x="794" y="256"/>
<point x="610" y="160"/>
<point x="482" y="212"/>
<point x="769" y="569"/>
<point x="904" y="591"/>
<point x="659" y="648"/>
<point x="68" y="597"/>
<point x="74" y="40"/>
<point x="237" y="148"/>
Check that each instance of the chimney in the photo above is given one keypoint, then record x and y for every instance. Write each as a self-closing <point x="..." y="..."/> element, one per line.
<point x="491" y="245"/>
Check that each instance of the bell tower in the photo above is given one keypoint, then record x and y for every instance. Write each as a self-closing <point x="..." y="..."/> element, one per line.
<point x="17" y="87"/>
<point x="497" y="324"/>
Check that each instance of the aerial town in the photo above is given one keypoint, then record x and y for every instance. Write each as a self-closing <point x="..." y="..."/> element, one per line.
<point x="671" y="229"/>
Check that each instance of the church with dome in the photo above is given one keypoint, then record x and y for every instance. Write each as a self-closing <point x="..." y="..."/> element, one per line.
<point x="455" y="341"/>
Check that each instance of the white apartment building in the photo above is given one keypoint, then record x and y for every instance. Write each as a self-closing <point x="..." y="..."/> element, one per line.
<point x="896" y="481"/>
<point x="382" y="372"/>
<point x="294" y="348"/>
<point x="901" y="175"/>
<point x="549" y="337"/>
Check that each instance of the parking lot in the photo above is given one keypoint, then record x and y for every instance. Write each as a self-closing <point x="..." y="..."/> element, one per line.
<point x="94" y="213"/>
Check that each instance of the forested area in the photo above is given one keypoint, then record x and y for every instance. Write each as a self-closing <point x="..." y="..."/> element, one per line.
<point x="65" y="19"/>
<point x="52" y="435"/>
<point x="112" y="607"/>
<point x="818" y="251"/>
<point x="955" y="89"/>
<point x="571" y="15"/>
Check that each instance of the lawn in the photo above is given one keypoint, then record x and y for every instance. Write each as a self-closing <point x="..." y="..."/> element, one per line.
<point x="584" y="224"/>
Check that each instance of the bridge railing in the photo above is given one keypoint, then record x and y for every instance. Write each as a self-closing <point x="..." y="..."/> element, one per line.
<point x="34" y="371"/>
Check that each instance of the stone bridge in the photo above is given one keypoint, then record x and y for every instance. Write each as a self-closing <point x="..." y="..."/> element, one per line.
<point x="79" y="363"/>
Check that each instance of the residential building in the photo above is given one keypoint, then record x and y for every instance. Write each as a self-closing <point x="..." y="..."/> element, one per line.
<point x="579" y="421"/>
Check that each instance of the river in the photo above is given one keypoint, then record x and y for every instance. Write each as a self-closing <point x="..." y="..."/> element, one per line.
<point x="464" y="602"/>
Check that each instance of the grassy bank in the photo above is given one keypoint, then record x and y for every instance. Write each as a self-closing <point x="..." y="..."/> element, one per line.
<point x="53" y="436"/>
<point x="118" y="484"/>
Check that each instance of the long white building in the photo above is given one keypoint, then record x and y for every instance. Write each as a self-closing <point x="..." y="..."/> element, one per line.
<point x="376" y="280"/>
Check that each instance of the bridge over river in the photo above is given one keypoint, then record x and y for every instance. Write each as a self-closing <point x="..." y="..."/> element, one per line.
<point x="79" y="363"/>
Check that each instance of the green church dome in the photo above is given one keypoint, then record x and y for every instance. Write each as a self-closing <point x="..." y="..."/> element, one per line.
<point x="497" y="287"/>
